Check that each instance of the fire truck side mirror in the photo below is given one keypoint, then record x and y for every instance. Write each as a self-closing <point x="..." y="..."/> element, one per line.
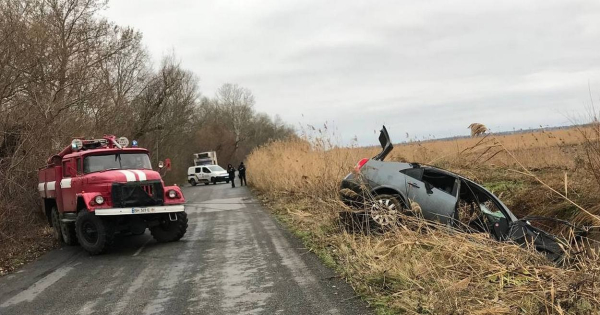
<point x="161" y="164"/>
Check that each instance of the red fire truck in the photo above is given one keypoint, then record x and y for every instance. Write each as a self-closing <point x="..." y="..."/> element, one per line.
<point x="95" y="189"/>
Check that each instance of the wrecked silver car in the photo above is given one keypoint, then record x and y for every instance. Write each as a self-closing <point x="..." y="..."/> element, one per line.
<point x="381" y="191"/>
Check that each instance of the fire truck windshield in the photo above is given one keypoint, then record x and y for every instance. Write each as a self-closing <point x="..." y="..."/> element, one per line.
<point x="120" y="161"/>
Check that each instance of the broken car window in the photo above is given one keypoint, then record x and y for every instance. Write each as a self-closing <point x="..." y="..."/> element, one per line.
<point x="477" y="211"/>
<point x="443" y="182"/>
<point x="416" y="173"/>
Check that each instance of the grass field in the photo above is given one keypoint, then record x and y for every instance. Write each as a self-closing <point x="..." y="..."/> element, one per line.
<point x="419" y="270"/>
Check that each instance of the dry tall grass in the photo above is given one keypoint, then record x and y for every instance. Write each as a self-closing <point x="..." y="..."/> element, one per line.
<point x="418" y="270"/>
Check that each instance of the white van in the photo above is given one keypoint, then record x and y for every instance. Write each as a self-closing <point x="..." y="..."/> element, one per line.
<point x="207" y="174"/>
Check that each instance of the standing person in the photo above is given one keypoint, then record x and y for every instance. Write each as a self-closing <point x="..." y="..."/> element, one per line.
<point x="242" y="172"/>
<point x="231" y="172"/>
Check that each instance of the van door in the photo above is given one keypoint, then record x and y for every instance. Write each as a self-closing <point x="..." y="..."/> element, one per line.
<point x="197" y="173"/>
<point x="206" y="173"/>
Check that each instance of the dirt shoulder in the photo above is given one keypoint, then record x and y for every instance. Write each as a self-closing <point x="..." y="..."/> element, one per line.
<point x="20" y="248"/>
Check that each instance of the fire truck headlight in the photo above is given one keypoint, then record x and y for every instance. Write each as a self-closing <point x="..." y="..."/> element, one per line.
<point x="172" y="194"/>
<point x="99" y="200"/>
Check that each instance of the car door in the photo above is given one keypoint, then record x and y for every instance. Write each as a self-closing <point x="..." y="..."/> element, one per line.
<point x="435" y="197"/>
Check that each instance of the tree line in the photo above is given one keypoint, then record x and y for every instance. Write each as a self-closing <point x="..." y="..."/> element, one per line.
<point x="65" y="71"/>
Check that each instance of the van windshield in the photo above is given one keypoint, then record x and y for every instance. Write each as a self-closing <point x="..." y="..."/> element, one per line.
<point x="215" y="168"/>
<point x="120" y="161"/>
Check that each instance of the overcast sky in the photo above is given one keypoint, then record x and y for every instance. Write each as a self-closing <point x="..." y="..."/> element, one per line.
<point x="420" y="67"/>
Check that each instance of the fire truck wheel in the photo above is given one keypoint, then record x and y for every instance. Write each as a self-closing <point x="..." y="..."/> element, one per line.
<point x="170" y="231"/>
<point x="68" y="233"/>
<point x="55" y="218"/>
<point x="93" y="233"/>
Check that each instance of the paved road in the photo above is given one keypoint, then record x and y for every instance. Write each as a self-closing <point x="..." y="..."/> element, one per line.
<point x="234" y="259"/>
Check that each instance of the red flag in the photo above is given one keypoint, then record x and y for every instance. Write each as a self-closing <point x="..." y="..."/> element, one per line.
<point x="168" y="164"/>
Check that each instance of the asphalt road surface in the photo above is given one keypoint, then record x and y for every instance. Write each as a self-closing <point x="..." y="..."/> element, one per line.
<point x="234" y="259"/>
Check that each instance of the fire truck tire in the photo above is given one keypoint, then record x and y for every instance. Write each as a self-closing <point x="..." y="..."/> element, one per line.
<point x="170" y="231"/>
<point x="68" y="233"/>
<point x="94" y="234"/>
<point x="55" y="218"/>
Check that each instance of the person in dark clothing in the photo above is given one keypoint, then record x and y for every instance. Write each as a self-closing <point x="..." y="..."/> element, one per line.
<point x="231" y="172"/>
<point x="242" y="173"/>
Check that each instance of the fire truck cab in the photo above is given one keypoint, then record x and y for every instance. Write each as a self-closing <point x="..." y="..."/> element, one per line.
<point x="95" y="189"/>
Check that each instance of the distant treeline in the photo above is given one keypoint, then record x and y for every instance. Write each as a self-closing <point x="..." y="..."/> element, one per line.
<point x="510" y="132"/>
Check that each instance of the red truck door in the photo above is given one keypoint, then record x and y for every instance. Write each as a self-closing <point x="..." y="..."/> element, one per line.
<point x="67" y="191"/>
<point x="55" y="187"/>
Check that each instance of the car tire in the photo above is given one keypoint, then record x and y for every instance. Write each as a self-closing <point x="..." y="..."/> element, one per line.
<point x="68" y="233"/>
<point x="55" y="219"/>
<point x="94" y="234"/>
<point x="193" y="182"/>
<point x="206" y="184"/>
<point x="170" y="231"/>
<point x="137" y="233"/>
<point x="384" y="210"/>
<point x="227" y="181"/>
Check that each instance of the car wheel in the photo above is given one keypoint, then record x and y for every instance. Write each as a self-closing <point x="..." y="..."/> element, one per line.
<point x="213" y="180"/>
<point x="193" y="182"/>
<point x="385" y="210"/>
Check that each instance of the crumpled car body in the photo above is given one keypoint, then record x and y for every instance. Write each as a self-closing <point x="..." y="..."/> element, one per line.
<point x="443" y="196"/>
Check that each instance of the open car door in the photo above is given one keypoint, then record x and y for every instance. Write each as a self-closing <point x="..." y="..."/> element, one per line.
<point x="386" y="145"/>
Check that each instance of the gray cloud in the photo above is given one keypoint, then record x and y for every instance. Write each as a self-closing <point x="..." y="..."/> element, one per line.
<point x="422" y="67"/>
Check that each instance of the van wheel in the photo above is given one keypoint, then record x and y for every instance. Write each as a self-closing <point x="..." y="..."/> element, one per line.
<point x="193" y="182"/>
<point x="213" y="180"/>
<point x="94" y="234"/>
<point x="206" y="184"/>
<point x="55" y="218"/>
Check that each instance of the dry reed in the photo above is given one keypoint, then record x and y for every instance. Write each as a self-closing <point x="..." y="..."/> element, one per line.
<point x="417" y="269"/>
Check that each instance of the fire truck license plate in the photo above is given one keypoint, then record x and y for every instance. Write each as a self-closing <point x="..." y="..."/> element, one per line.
<point x="142" y="210"/>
